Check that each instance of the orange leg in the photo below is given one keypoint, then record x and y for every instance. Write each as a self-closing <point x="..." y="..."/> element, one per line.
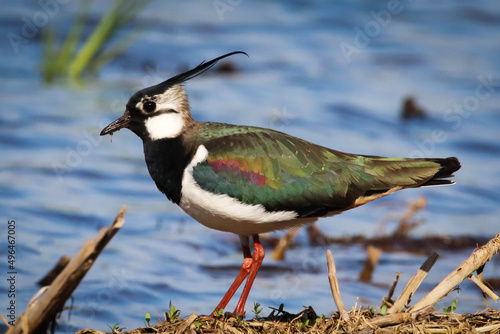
<point x="257" y="258"/>
<point x="249" y="268"/>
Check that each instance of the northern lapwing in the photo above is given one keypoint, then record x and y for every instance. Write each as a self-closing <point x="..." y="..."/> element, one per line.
<point x="249" y="180"/>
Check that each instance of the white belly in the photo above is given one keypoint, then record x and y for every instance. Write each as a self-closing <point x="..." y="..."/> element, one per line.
<point x="224" y="213"/>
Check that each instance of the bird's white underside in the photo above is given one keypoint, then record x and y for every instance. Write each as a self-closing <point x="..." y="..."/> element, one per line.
<point x="224" y="213"/>
<point x="166" y="125"/>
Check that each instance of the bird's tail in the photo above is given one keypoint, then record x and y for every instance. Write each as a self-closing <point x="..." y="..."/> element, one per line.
<point x="448" y="167"/>
<point x="411" y="173"/>
<point x="392" y="174"/>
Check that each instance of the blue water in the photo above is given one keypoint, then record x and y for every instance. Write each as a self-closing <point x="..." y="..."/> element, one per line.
<point x="334" y="73"/>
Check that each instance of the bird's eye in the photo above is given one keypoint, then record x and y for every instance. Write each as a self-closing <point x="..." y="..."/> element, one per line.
<point x="149" y="106"/>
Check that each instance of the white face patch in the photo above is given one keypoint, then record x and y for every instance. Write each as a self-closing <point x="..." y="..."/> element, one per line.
<point x="166" y="125"/>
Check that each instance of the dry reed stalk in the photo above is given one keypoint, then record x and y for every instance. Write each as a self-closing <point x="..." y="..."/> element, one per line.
<point x="484" y="288"/>
<point x="43" y="310"/>
<point x="478" y="258"/>
<point x="54" y="272"/>
<point x="387" y="300"/>
<point x="334" y="286"/>
<point x="372" y="258"/>
<point x="284" y="243"/>
<point x="186" y="324"/>
<point x="413" y="284"/>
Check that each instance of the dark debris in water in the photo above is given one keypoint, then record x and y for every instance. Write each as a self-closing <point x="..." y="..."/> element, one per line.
<point x="410" y="110"/>
<point x="400" y="240"/>
<point x="420" y="245"/>
<point x="394" y="242"/>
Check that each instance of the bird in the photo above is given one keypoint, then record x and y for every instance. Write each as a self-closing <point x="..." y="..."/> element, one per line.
<point x="250" y="180"/>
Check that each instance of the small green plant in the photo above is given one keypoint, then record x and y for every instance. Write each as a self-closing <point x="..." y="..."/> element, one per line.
<point x="76" y="54"/>
<point x="277" y="312"/>
<point x="451" y="308"/>
<point x="256" y="310"/>
<point x="114" y="329"/>
<point x="239" y="320"/>
<point x="302" y="325"/>
<point x="148" y="319"/>
<point x="197" y="324"/>
<point x="383" y="310"/>
<point x="173" y="313"/>
<point x="219" y="312"/>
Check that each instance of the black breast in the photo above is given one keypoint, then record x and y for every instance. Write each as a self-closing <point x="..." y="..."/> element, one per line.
<point x="166" y="160"/>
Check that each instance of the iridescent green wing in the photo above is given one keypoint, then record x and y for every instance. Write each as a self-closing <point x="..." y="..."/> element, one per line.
<point x="281" y="172"/>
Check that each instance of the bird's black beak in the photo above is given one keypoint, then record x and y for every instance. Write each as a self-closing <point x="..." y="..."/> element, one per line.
<point x="120" y="123"/>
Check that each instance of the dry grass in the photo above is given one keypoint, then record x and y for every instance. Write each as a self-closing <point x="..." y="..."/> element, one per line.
<point x="361" y="321"/>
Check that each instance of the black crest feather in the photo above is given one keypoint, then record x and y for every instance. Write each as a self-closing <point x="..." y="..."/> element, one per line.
<point x="180" y="78"/>
<point x="204" y="66"/>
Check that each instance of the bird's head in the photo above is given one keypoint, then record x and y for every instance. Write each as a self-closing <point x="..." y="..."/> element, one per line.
<point x="161" y="111"/>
